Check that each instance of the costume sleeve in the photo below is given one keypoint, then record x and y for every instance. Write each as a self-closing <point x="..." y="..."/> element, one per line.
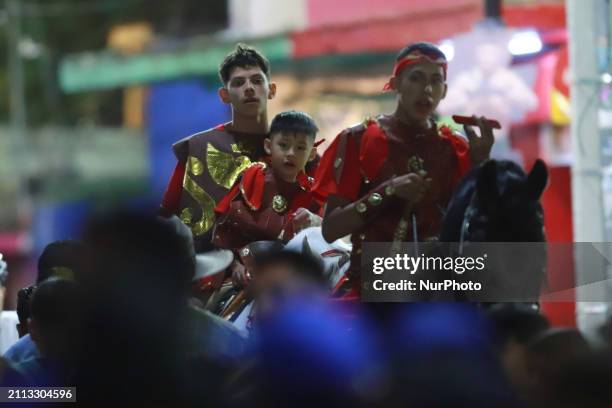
<point x="339" y="172"/>
<point x="172" y="196"/>
<point x="462" y="153"/>
<point x="226" y="201"/>
<point x="250" y="184"/>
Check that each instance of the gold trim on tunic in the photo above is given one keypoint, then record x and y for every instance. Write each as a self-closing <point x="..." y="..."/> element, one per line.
<point x="206" y="203"/>
<point x="224" y="168"/>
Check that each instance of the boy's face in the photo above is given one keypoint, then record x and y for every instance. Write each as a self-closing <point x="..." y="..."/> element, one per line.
<point x="289" y="153"/>
<point x="248" y="91"/>
<point x="420" y="89"/>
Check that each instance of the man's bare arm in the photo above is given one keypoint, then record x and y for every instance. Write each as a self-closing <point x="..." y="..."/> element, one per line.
<point x="343" y="218"/>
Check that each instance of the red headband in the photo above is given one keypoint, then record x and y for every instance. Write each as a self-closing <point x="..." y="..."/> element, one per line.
<point x="415" y="57"/>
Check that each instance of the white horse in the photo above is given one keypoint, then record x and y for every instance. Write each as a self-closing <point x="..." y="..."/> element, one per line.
<point x="335" y="256"/>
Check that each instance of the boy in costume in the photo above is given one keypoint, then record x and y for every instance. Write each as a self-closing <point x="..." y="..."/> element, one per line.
<point x="272" y="201"/>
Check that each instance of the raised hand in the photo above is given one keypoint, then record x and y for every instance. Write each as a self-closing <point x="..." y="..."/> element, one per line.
<point x="480" y="146"/>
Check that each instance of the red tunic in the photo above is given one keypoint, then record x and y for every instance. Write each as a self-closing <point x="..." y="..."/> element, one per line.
<point x="363" y="157"/>
<point x="260" y="207"/>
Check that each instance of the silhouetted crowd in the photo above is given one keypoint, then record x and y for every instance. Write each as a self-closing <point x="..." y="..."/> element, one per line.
<point x="113" y="314"/>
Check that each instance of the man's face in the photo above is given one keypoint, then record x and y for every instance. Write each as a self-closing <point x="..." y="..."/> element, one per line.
<point x="248" y="91"/>
<point x="289" y="153"/>
<point x="420" y="89"/>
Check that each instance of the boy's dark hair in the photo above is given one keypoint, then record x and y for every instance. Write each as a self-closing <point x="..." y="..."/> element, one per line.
<point x="23" y="303"/>
<point x="305" y="265"/>
<point x="426" y="48"/>
<point x="243" y="56"/>
<point x="61" y="258"/>
<point x="293" y="121"/>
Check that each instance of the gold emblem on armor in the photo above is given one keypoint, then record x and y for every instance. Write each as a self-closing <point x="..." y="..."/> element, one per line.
<point x="205" y="201"/>
<point x="224" y="168"/>
<point x="389" y="190"/>
<point x="279" y="203"/>
<point x="361" y="208"/>
<point x="186" y="216"/>
<point x="375" y="199"/>
<point x="195" y="166"/>
<point x="246" y="146"/>
<point x="416" y="164"/>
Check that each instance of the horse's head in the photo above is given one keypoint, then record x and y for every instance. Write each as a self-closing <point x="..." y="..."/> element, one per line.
<point x="505" y="206"/>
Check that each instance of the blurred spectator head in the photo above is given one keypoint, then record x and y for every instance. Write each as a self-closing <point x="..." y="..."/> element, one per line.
<point x="584" y="382"/>
<point x="24" y="297"/>
<point x="551" y="353"/>
<point x="136" y="306"/>
<point x="442" y="358"/>
<point x="141" y="252"/>
<point x="54" y="318"/>
<point x="310" y="354"/>
<point x="282" y="275"/>
<point x="62" y="259"/>
<point x="243" y="56"/>
<point x="514" y="327"/>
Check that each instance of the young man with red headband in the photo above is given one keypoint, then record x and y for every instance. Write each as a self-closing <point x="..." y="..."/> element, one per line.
<point x="380" y="176"/>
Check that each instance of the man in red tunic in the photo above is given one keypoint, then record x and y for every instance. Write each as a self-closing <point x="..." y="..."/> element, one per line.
<point x="380" y="176"/>
<point x="209" y="162"/>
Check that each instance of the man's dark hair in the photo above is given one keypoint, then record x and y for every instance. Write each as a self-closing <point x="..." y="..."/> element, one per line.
<point x="304" y="264"/>
<point x="426" y="48"/>
<point x="23" y="303"/>
<point x="61" y="258"/>
<point x="293" y="121"/>
<point x="243" y="56"/>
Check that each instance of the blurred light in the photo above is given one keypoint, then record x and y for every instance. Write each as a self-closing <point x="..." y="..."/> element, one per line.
<point x="606" y="78"/>
<point x="29" y="49"/>
<point x="448" y="48"/>
<point x="525" y="42"/>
